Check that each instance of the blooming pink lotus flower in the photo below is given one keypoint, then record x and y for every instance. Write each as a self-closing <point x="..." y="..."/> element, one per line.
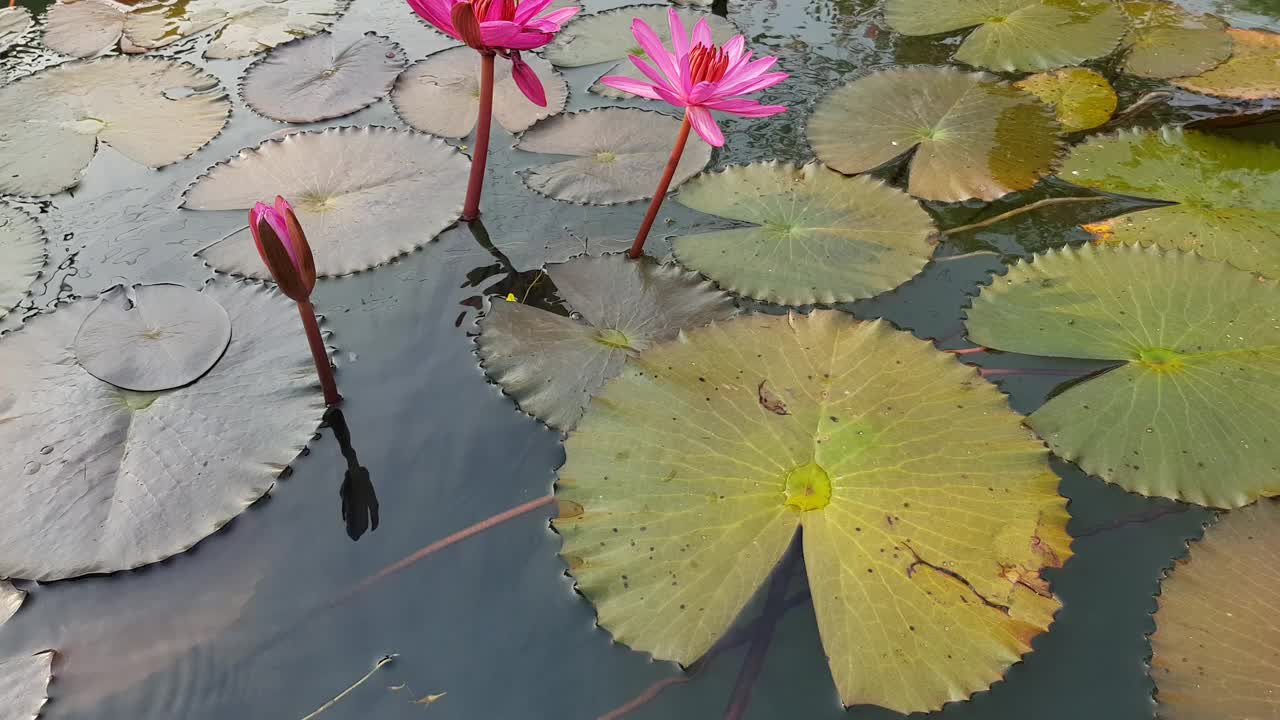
<point x="700" y="77"/>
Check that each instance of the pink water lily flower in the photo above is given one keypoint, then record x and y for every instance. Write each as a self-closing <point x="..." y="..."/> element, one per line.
<point x="699" y="76"/>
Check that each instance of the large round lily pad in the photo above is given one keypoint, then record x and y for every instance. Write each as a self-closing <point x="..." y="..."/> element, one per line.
<point x="1081" y="98"/>
<point x="163" y="337"/>
<point x="441" y="94"/>
<point x="242" y="27"/>
<point x="152" y="111"/>
<point x="620" y="155"/>
<point x="320" y="77"/>
<point x="1218" y="625"/>
<point x="1227" y="190"/>
<point x="85" y="28"/>
<point x="690" y="473"/>
<point x="605" y="37"/>
<point x="14" y="24"/>
<point x="974" y="137"/>
<point x="1189" y="412"/>
<point x="24" y="685"/>
<point x="552" y="365"/>
<point x="1166" y="41"/>
<point x="816" y="235"/>
<point x="363" y="195"/>
<point x="1016" y="35"/>
<point x="1251" y="72"/>
<point x="21" y="255"/>
<point x="99" y="479"/>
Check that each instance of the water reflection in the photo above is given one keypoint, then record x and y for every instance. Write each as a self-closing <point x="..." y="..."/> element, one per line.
<point x="359" y="498"/>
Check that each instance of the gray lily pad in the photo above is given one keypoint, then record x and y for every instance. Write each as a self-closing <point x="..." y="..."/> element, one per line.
<point x="1166" y="41"/>
<point x="100" y="479"/>
<point x="441" y="94"/>
<point x="816" y="236"/>
<point x="21" y="255"/>
<point x="24" y="685"/>
<point x="242" y="27"/>
<point x="620" y="155"/>
<point x="153" y="111"/>
<point x="363" y="195"/>
<point x="552" y="365"/>
<point x="10" y="600"/>
<point x="974" y="137"/>
<point x="167" y="337"/>
<point x="85" y="28"/>
<point x="15" y="22"/>
<point x="320" y="77"/>
<point x="606" y="37"/>
<point x="1016" y="35"/>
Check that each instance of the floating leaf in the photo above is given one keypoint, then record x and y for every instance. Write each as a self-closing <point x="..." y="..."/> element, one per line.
<point x="1165" y="41"/>
<point x="621" y="153"/>
<point x="99" y="479"/>
<point x="24" y="685"/>
<point x="924" y="546"/>
<point x="155" y="112"/>
<point x="10" y="600"/>
<point x="164" y="337"/>
<point x="14" y="24"/>
<point x="1260" y="126"/>
<point x="1188" y="414"/>
<point x="320" y="77"/>
<point x="1228" y="193"/>
<point x="1081" y="98"/>
<point x="84" y="28"/>
<point x="1016" y="35"/>
<point x="974" y="137"/>
<point x="606" y="37"/>
<point x="242" y="27"/>
<point x="21" y="255"/>
<point x="363" y="195"/>
<point x="1214" y="648"/>
<point x="1250" y="74"/>
<point x="441" y="94"/>
<point x="816" y="236"/>
<point x="552" y="365"/>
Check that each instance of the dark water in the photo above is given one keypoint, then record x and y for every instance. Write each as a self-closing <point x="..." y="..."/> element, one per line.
<point x="228" y="630"/>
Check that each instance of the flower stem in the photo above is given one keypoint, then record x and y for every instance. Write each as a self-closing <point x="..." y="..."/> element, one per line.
<point x="318" y="353"/>
<point x="637" y="247"/>
<point x="480" y="153"/>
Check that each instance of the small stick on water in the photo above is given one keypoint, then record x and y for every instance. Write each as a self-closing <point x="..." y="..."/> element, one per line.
<point x="637" y="247"/>
<point x="1046" y="202"/>
<point x="386" y="660"/>
<point x="968" y="351"/>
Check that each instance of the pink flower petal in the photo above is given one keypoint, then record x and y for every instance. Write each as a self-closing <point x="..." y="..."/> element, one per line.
<point x="552" y="21"/>
<point x="528" y="9"/>
<point x="668" y="96"/>
<point x="497" y="33"/>
<point x="705" y="126"/>
<point x="679" y="36"/>
<point x="527" y="80"/>
<point x="702" y="92"/>
<point x="734" y="49"/>
<point x="745" y="108"/>
<point x="435" y="12"/>
<point x="652" y="47"/>
<point x="650" y="73"/>
<point x="631" y="85"/>
<point x="748" y="70"/>
<point x="750" y="86"/>
<point x="528" y="41"/>
<point x="702" y="34"/>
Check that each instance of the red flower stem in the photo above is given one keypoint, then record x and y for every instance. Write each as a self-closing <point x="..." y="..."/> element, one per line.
<point x="480" y="153"/>
<point x="637" y="247"/>
<point x="318" y="353"/>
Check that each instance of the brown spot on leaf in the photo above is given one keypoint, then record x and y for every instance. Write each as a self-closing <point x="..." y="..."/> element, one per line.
<point x="769" y="401"/>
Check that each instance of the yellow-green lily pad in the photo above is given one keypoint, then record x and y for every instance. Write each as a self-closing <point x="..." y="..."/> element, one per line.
<point x="1252" y="73"/>
<point x="1081" y="98"/>
<point x="1166" y="41"/>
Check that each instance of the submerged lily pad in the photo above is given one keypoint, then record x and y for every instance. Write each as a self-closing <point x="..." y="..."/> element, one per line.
<point x="1081" y="98"/>
<point x="552" y="365"/>
<point x="689" y="474"/>
<point x="1016" y="35"/>
<point x="163" y="337"/>
<point x="1166" y="41"/>
<point x="974" y="137"/>
<point x="85" y="28"/>
<point x="24" y="685"/>
<point x="100" y="479"/>
<point x="1189" y="412"/>
<point x="606" y="37"/>
<point x="621" y="153"/>
<point x="1217" y="627"/>
<point x="21" y="255"/>
<point x="152" y="111"/>
<point x="441" y="94"/>
<point x="1252" y="73"/>
<point x="816" y="236"/>
<point x="1227" y="190"/>
<point x="242" y="27"/>
<point x="10" y="600"/>
<point x="363" y="195"/>
<point x="320" y="77"/>
<point x="15" y="22"/>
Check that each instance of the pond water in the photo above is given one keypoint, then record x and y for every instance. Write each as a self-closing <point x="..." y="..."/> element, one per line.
<point x="259" y="621"/>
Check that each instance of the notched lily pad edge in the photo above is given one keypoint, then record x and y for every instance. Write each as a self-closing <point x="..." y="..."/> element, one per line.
<point x="29" y="292"/>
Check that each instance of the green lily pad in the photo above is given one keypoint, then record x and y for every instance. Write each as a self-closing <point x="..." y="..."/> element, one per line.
<point x="1016" y="35"/>
<point x="99" y="479"/>
<point x="619" y="155"/>
<point x="1214" y="648"/>
<point x="1189" y="412"/>
<point x="1227" y="190"/>
<point x="241" y="27"/>
<point x="816" y="236"/>
<point x="10" y="600"/>
<point x="1250" y="74"/>
<point x="319" y="77"/>
<point x="552" y="365"/>
<point x="1166" y="41"/>
<point x="24" y="685"/>
<point x="15" y="22"/>
<point x="1081" y="98"/>
<point x="22" y="255"/>
<point x="690" y="473"/>
<point x="973" y="136"/>
<point x="155" y="112"/>
<point x="606" y="37"/>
